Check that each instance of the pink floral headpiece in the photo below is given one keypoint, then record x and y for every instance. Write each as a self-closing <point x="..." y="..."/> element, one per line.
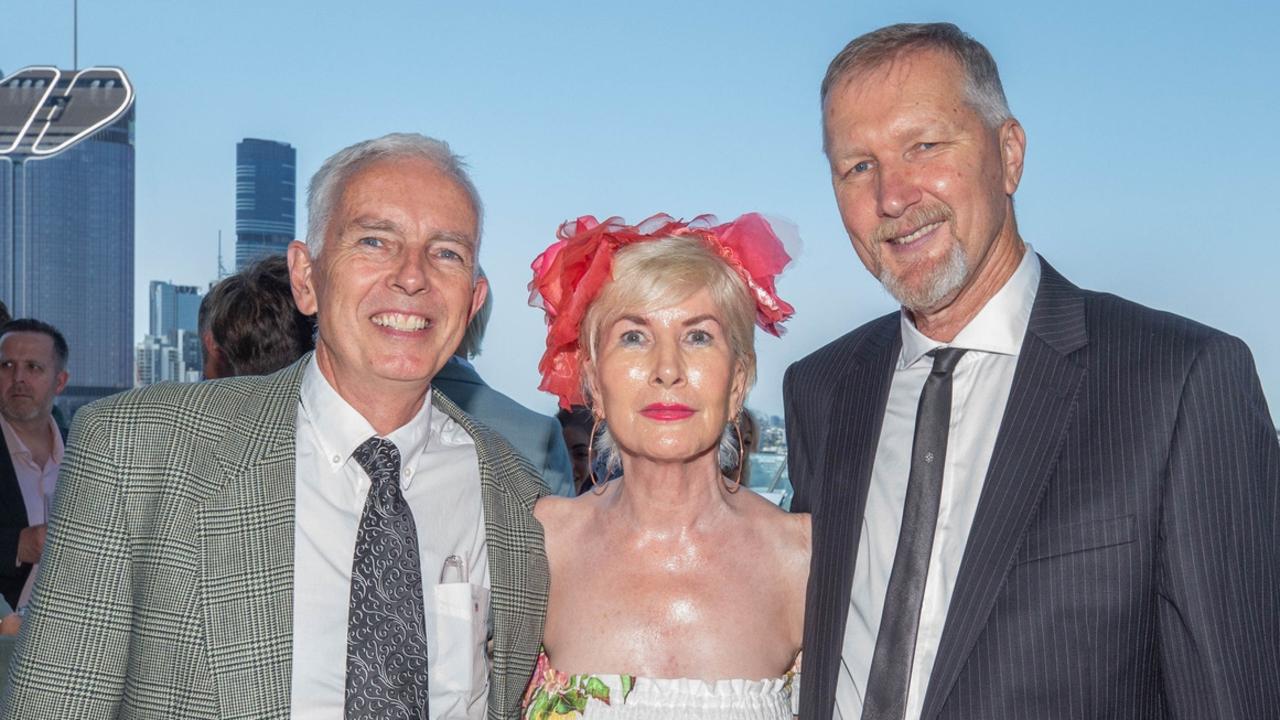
<point x="568" y="276"/>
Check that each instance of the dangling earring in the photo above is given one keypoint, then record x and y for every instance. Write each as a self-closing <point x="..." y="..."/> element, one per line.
<point x="591" y="460"/>
<point x="742" y="456"/>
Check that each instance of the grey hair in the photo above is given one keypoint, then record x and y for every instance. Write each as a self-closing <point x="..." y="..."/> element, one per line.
<point x="327" y="184"/>
<point x="473" y="337"/>
<point x="878" y="47"/>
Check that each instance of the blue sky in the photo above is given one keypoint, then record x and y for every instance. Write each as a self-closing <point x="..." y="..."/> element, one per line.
<point x="1151" y="163"/>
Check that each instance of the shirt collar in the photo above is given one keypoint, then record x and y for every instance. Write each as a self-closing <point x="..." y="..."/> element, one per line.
<point x="17" y="447"/>
<point x="341" y="429"/>
<point x="997" y="328"/>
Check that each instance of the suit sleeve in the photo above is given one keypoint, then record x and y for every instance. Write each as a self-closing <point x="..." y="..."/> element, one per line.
<point x="1219" y="586"/>
<point x="74" y="648"/>
<point x="9" y="551"/>
<point x="558" y="473"/>
<point x="798" y="465"/>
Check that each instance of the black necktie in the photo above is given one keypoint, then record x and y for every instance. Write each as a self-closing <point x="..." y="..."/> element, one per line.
<point x="386" y="629"/>
<point x="887" y="686"/>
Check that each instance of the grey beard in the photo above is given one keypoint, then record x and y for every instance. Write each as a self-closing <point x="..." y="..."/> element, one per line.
<point x="944" y="280"/>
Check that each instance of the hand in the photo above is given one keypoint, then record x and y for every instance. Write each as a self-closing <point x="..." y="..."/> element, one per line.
<point x="11" y="624"/>
<point x="31" y="544"/>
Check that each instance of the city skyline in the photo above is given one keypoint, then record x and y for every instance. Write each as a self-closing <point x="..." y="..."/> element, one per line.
<point x="67" y="217"/>
<point x="1141" y="178"/>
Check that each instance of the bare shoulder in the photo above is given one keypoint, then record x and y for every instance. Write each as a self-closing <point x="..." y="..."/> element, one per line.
<point x="790" y="530"/>
<point x="563" y="517"/>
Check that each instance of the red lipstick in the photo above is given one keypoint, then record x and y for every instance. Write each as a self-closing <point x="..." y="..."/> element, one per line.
<point x="666" y="412"/>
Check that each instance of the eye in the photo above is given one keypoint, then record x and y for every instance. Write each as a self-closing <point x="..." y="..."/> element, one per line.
<point x="700" y="337"/>
<point x="631" y="338"/>
<point x="450" y="254"/>
<point x="926" y="145"/>
<point x="372" y="242"/>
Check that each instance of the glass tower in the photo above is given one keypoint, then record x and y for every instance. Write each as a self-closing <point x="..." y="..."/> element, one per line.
<point x="67" y="214"/>
<point x="265" y="199"/>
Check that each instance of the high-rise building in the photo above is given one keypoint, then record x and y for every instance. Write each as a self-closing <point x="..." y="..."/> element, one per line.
<point x="173" y="308"/>
<point x="66" y="217"/>
<point x="266" y="197"/>
<point x="175" y="318"/>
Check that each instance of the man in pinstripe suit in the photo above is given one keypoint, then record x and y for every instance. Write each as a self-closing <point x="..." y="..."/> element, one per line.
<point x="1103" y="541"/>
<point x="200" y="554"/>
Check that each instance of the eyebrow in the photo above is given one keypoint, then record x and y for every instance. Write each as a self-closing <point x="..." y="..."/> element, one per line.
<point x="702" y="318"/>
<point x="385" y="225"/>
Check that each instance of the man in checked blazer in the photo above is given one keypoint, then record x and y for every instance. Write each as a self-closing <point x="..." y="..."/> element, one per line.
<point x="1103" y="542"/>
<point x="200" y="554"/>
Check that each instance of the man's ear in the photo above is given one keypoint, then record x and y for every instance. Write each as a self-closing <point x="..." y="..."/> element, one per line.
<point x="301" y="277"/>
<point x="1013" y="150"/>
<point x="478" y="293"/>
<point x="63" y="377"/>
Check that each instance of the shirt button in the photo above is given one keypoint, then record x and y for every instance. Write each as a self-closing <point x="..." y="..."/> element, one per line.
<point x="337" y="460"/>
<point x="408" y="472"/>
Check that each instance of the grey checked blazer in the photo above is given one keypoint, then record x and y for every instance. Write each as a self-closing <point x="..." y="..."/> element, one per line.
<point x="168" y="578"/>
<point x="1124" y="560"/>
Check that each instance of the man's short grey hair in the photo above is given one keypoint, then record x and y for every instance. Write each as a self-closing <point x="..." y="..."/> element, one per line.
<point x="887" y="44"/>
<point x="327" y="184"/>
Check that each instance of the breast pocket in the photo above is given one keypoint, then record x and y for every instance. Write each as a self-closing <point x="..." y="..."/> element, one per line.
<point x="461" y="668"/>
<point x="1077" y="538"/>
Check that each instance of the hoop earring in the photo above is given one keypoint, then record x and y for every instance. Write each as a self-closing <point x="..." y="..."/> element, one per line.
<point x="591" y="461"/>
<point x="742" y="458"/>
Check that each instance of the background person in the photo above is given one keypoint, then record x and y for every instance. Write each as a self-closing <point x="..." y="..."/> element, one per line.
<point x="33" y="371"/>
<point x="661" y="335"/>
<point x="537" y="437"/>
<point x="249" y="324"/>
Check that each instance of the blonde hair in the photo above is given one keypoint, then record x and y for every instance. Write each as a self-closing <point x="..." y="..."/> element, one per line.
<point x="654" y="275"/>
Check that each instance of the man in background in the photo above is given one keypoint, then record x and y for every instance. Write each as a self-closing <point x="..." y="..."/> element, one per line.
<point x="249" y="324"/>
<point x="33" y="371"/>
<point x="536" y="437"/>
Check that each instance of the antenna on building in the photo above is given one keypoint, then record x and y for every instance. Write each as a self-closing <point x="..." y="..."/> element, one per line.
<point x="75" y="35"/>
<point x="222" y="269"/>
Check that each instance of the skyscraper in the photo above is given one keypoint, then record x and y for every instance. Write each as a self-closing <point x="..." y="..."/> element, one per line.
<point x="173" y="308"/>
<point x="265" y="199"/>
<point x="66" y="216"/>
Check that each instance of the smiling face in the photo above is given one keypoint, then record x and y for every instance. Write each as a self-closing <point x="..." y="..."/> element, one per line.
<point x="394" y="286"/>
<point x="924" y="186"/>
<point x="667" y="381"/>
<point x="30" y="376"/>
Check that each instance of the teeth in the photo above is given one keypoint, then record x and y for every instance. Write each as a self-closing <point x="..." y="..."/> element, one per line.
<point x="916" y="235"/>
<point x="400" y="321"/>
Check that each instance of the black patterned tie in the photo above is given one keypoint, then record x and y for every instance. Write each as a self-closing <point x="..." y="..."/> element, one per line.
<point x="890" y="678"/>
<point x="386" y="630"/>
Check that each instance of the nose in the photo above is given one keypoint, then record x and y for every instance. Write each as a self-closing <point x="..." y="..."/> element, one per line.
<point x="896" y="190"/>
<point x="668" y="367"/>
<point x="410" y="276"/>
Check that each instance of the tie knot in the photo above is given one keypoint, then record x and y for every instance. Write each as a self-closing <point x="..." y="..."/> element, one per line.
<point x="945" y="359"/>
<point x="379" y="457"/>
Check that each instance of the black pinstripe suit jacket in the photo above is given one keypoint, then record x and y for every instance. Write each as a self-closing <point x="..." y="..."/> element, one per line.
<point x="1124" y="560"/>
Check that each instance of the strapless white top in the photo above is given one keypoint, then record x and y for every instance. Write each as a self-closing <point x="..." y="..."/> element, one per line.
<point x="554" y="695"/>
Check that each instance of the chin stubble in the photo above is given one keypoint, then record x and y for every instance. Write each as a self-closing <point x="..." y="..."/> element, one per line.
<point x="946" y="278"/>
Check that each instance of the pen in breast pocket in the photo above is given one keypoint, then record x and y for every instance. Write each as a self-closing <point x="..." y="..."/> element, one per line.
<point x="453" y="570"/>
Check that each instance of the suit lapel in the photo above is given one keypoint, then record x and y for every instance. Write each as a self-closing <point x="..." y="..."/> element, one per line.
<point x="246" y="525"/>
<point x="1041" y="404"/>
<point x="518" y="571"/>
<point x="857" y="414"/>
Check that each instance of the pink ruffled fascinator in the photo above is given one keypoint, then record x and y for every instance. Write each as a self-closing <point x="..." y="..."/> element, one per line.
<point x="568" y="276"/>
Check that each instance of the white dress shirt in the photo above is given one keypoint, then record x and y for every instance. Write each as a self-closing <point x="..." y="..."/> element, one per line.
<point x="981" y="384"/>
<point x="37" y="483"/>
<point x="440" y="478"/>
